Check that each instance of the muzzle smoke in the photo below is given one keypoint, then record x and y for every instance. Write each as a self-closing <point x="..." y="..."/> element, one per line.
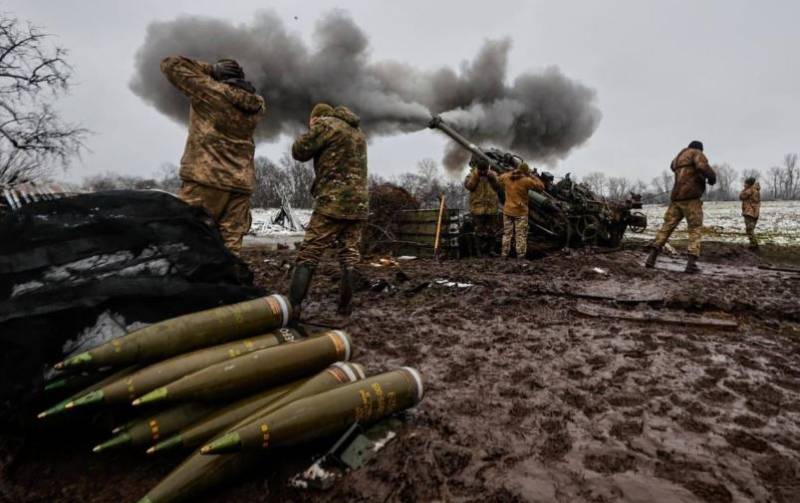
<point x="540" y="116"/>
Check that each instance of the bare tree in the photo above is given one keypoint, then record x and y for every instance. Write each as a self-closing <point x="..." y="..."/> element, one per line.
<point x="33" y="137"/>
<point x="619" y="187"/>
<point x="597" y="182"/>
<point x="791" y="177"/>
<point x="724" y="189"/>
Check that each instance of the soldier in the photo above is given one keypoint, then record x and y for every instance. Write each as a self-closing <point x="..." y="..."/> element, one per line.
<point x="483" y="187"/>
<point x="516" y="185"/>
<point x="341" y="202"/>
<point x="751" y="208"/>
<point x="217" y="171"/>
<point x="691" y="174"/>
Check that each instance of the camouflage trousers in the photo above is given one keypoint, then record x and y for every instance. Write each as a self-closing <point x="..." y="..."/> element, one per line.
<point x="692" y="211"/>
<point x="515" y="230"/>
<point x="322" y="232"/>
<point x="230" y="210"/>
<point x="750" y="228"/>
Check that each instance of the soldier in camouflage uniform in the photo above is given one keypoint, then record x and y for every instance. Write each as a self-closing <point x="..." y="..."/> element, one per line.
<point x="482" y="185"/>
<point x="217" y="171"/>
<point x="691" y="174"/>
<point x="516" y="185"/>
<point x="751" y="208"/>
<point x="341" y="202"/>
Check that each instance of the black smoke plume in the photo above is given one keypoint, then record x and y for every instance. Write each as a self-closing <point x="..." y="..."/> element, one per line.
<point x="540" y="116"/>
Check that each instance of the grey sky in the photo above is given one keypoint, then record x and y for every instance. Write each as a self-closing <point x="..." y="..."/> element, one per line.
<point x="722" y="71"/>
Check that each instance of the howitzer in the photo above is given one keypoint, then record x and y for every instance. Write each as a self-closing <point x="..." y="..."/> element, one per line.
<point x="566" y="214"/>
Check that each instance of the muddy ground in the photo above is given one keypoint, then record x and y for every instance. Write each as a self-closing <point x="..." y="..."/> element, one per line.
<point x="536" y="389"/>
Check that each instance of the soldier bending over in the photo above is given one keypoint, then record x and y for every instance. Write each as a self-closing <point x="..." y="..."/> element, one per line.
<point x="691" y="174"/>
<point x="341" y="201"/>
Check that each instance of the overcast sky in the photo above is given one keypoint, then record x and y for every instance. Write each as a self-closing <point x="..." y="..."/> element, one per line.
<point x="725" y="72"/>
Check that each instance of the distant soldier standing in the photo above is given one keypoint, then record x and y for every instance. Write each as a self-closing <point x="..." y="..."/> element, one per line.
<point x="217" y="171"/>
<point x="751" y="208"/>
<point x="516" y="185"/>
<point x="341" y="200"/>
<point x="483" y="187"/>
<point x="691" y="174"/>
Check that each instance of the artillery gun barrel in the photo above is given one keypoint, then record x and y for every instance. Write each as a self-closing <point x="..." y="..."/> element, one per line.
<point x="437" y="122"/>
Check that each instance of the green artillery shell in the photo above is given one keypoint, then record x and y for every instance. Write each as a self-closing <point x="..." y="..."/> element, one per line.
<point x="325" y="414"/>
<point x="150" y="429"/>
<point x="161" y="373"/>
<point x="199" y="473"/>
<point x="65" y="404"/>
<point x="200" y="432"/>
<point x="257" y="370"/>
<point x="185" y="333"/>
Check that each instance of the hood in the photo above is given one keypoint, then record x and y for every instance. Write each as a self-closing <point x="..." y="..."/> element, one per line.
<point x="347" y="115"/>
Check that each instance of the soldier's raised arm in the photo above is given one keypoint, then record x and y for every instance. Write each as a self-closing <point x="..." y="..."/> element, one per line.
<point x="308" y="144"/>
<point x="195" y="79"/>
<point x="471" y="181"/>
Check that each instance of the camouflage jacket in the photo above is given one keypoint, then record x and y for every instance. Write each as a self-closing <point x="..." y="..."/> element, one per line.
<point x="339" y="150"/>
<point x="219" y="149"/>
<point x="483" y="198"/>
<point x="691" y="172"/>
<point x="516" y="186"/>
<point x="751" y="201"/>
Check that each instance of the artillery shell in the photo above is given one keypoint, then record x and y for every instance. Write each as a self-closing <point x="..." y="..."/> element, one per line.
<point x="257" y="370"/>
<point x="150" y="429"/>
<point x="325" y="414"/>
<point x="199" y="473"/>
<point x="161" y="373"/>
<point x="196" y="434"/>
<point x="185" y="333"/>
<point x="64" y="404"/>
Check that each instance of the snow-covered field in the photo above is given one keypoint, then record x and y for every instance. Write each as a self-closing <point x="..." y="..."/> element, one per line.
<point x="779" y="223"/>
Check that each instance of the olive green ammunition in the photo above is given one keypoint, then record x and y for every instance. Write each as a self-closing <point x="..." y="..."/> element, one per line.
<point x="64" y="404"/>
<point x="207" y="428"/>
<point x="257" y="370"/>
<point x="167" y="371"/>
<point x="325" y="414"/>
<point x="150" y="429"/>
<point x="185" y="333"/>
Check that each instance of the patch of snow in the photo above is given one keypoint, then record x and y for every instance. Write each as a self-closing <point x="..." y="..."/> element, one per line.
<point x="262" y="222"/>
<point x="452" y="284"/>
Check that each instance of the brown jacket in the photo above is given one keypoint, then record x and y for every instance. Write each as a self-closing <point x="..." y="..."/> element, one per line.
<point x="751" y="201"/>
<point x="691" y="172"/>
<point x="516" y="186"/>
<point x="219" y="149"/>
<point x="483" y="198"/>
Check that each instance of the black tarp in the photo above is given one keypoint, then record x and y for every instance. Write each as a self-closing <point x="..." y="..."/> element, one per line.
<point x="144" y="255"/>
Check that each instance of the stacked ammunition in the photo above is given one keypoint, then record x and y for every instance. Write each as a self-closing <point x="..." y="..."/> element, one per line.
<point x="232" y="383"/>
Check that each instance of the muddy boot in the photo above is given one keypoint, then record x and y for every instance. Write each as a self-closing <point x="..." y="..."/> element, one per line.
<point x="691" y="265"/>
<point x="651" y="258"/>
<point x="345" y="307"/>
<point x="301" y="280"/>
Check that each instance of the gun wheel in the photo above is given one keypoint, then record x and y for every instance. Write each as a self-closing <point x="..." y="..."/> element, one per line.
<point x="637" y="229"/>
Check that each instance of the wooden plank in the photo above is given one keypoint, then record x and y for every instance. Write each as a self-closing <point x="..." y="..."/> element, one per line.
<point x="673" y="318"/>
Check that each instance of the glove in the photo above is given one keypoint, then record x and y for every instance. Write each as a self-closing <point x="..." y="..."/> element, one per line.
<point x="712" y="180"/>
<point x="225" y="69"/>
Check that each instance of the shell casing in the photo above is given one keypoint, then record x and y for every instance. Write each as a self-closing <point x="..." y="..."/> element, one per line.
<point x="188" y="332"/>
<point x="337" y="374"/>
<point x="257" y="370"/>
<point x="325" y="413"/>
<point x="161" y="373"/>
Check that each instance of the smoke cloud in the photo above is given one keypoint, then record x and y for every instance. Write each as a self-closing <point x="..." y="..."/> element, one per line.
<point x="540" y="116"/>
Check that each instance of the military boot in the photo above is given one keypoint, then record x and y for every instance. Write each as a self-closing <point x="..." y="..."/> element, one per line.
<point x="691" y="265"/>
<point x="301" y="280"/>
<point x="651" y="258"/>
<point x="345" y="307"/>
